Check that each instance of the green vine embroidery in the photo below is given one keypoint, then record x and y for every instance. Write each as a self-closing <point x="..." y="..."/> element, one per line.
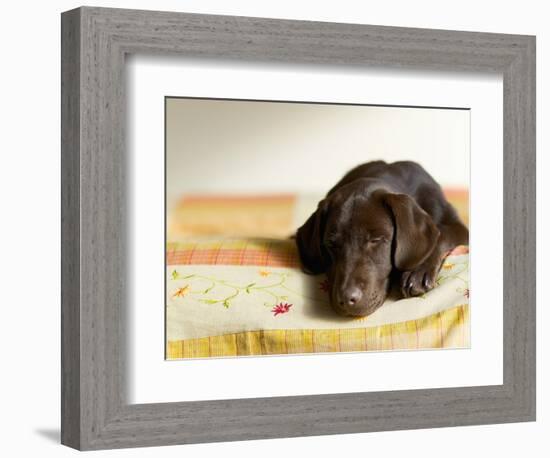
<point x="278" y="291"/>
<point x="271" y="292"/>
<point x="451" y="271"/>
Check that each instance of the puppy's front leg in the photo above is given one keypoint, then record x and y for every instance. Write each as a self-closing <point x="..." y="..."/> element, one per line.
<point x="422" y="279"/>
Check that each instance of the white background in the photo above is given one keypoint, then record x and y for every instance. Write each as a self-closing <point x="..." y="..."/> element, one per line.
<point x="149" y="79"/>
<point x="29" y="185"/>
<point x="273" y="147"/>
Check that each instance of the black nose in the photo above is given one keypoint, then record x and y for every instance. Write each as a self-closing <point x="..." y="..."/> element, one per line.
<point x="351" y="296"/>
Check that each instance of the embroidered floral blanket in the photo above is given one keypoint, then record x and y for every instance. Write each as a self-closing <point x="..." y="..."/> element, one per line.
<point x="234" y="287"/>
<point x="248" y="296"/>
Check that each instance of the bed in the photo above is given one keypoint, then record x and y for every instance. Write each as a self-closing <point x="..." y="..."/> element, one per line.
<point x="234" y="287"/>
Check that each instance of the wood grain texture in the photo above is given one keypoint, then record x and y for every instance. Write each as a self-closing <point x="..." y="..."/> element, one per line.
<point x="95" y="411"/>
<point x="70" y="230"/>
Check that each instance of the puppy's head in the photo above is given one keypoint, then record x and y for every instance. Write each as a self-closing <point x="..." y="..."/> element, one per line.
<point x="358" y="235"/>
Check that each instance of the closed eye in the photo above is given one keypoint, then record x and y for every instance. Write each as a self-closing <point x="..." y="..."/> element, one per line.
<point x="377" y="240"/>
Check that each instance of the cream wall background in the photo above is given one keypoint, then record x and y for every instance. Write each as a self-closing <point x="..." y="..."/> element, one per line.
<point x="263" y="147"/>
<point x="29" y="230"/>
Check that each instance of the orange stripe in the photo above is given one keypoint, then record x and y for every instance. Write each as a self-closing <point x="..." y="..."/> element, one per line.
<point x="240" y="199"/>
<point x="455" y="192"/>
<point x="221" y="256"/>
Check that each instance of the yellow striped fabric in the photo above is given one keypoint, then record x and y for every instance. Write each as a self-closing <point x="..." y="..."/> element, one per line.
<point x="256" y="215"/>
<point x="246" y="216"/>
<point x="446" y="329"/>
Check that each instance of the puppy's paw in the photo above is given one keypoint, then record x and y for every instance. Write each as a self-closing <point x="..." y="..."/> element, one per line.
<point x="419" y="281"/>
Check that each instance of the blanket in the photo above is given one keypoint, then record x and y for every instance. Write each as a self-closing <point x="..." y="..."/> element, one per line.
<point x="248" y="297"/>
<point x="234" y="287"/>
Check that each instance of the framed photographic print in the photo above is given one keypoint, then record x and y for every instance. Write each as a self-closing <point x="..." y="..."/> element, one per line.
<point x="279" y="228"/>
<point x="236" y="199"/>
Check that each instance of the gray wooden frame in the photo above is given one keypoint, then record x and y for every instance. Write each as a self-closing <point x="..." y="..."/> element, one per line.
<point x="95" y="413"/>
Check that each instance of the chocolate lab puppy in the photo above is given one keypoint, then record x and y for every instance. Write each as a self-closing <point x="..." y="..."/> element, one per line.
<point x="381" y="224"/>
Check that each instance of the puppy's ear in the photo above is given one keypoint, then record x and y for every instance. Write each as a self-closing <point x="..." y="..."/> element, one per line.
<point x="309" y="239"/>
<point x="415" y="233"/>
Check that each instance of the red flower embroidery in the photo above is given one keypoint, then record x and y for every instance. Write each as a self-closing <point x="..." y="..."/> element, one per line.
<point x="324" y="285"/>
<point x="281" y="308"/>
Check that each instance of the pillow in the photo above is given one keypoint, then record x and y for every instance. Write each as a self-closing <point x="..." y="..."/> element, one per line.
<point x="275" y="216"/>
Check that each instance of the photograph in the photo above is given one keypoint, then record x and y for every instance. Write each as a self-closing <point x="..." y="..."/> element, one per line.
<point x="298" y="227"/>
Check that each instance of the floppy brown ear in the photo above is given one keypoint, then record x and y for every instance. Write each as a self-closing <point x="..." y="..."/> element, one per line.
<point x="309" y="239"/>
<point x="415" y="232"/>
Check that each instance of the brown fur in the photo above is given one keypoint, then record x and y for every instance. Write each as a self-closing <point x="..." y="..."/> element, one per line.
<point x="380" y="224"/>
